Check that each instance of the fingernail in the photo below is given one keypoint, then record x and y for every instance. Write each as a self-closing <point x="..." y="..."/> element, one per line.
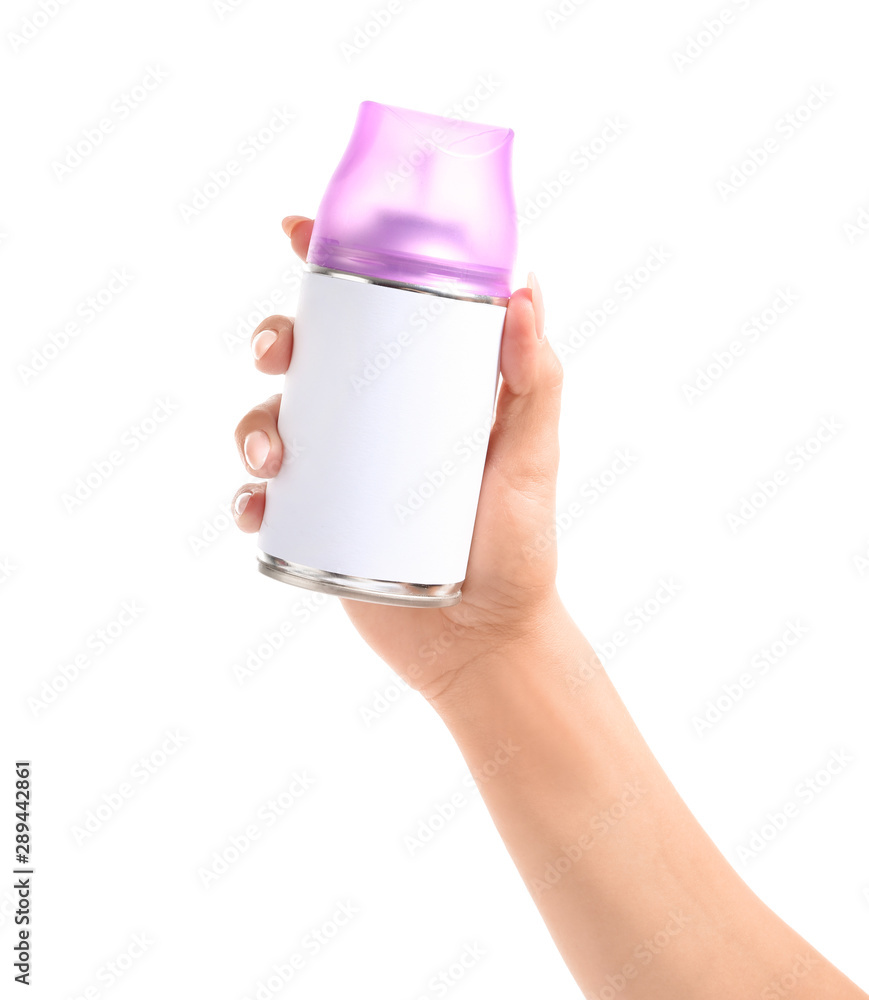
<point x="537" y="303"/>
<point x="241" y="502"/>
<point x="256" y="449"/>
<point x="262" y="342"/>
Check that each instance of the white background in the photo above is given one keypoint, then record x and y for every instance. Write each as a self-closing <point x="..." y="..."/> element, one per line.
<point x="156" y="532"/>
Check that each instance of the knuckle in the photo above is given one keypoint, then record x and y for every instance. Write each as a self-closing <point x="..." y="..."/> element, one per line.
<point x="241" y="429"/>
<point x="556" y="371"/>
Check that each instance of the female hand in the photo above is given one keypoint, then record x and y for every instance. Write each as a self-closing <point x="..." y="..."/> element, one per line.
<point x="509" y="594"/>
<point x="612" y="856"/>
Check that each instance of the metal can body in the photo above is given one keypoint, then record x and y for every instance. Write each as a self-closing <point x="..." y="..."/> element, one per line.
<point x="385" y="420"/>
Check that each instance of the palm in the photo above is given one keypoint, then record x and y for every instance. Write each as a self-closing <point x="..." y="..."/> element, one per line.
<point x="425" y="645"/>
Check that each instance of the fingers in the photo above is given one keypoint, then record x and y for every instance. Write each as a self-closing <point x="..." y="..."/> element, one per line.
<point x="527" y="359"/>
<point x="272" y="341"/>
<point x="272" y="345"/>
<point x="258" y="441"/>
<point x="248" y="506"/>
<point x="298" y="228"/>
<point x="524" y="442"/>
<point x="256" y="436"/>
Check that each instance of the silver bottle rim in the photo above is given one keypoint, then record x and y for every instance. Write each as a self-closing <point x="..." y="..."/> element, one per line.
<point x="406" y="595"/>
<point x="492" y="300"/>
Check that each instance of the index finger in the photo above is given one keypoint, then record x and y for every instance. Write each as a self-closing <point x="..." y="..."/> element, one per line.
<point x="298" y="228"/>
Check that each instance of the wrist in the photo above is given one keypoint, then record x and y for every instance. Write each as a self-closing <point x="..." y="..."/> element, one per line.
<point x="542" y="650"/>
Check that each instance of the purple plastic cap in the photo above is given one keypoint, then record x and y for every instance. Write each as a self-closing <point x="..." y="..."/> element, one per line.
<point x="421" y="200"/>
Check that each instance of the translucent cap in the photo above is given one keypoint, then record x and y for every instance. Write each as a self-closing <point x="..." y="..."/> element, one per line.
<point x="421" y="200"/>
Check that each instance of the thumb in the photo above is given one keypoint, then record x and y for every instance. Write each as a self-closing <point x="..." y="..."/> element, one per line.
<point x="524" y="442"/>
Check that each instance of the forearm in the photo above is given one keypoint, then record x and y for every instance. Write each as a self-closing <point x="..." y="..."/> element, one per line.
<point x="637" y="898"/>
